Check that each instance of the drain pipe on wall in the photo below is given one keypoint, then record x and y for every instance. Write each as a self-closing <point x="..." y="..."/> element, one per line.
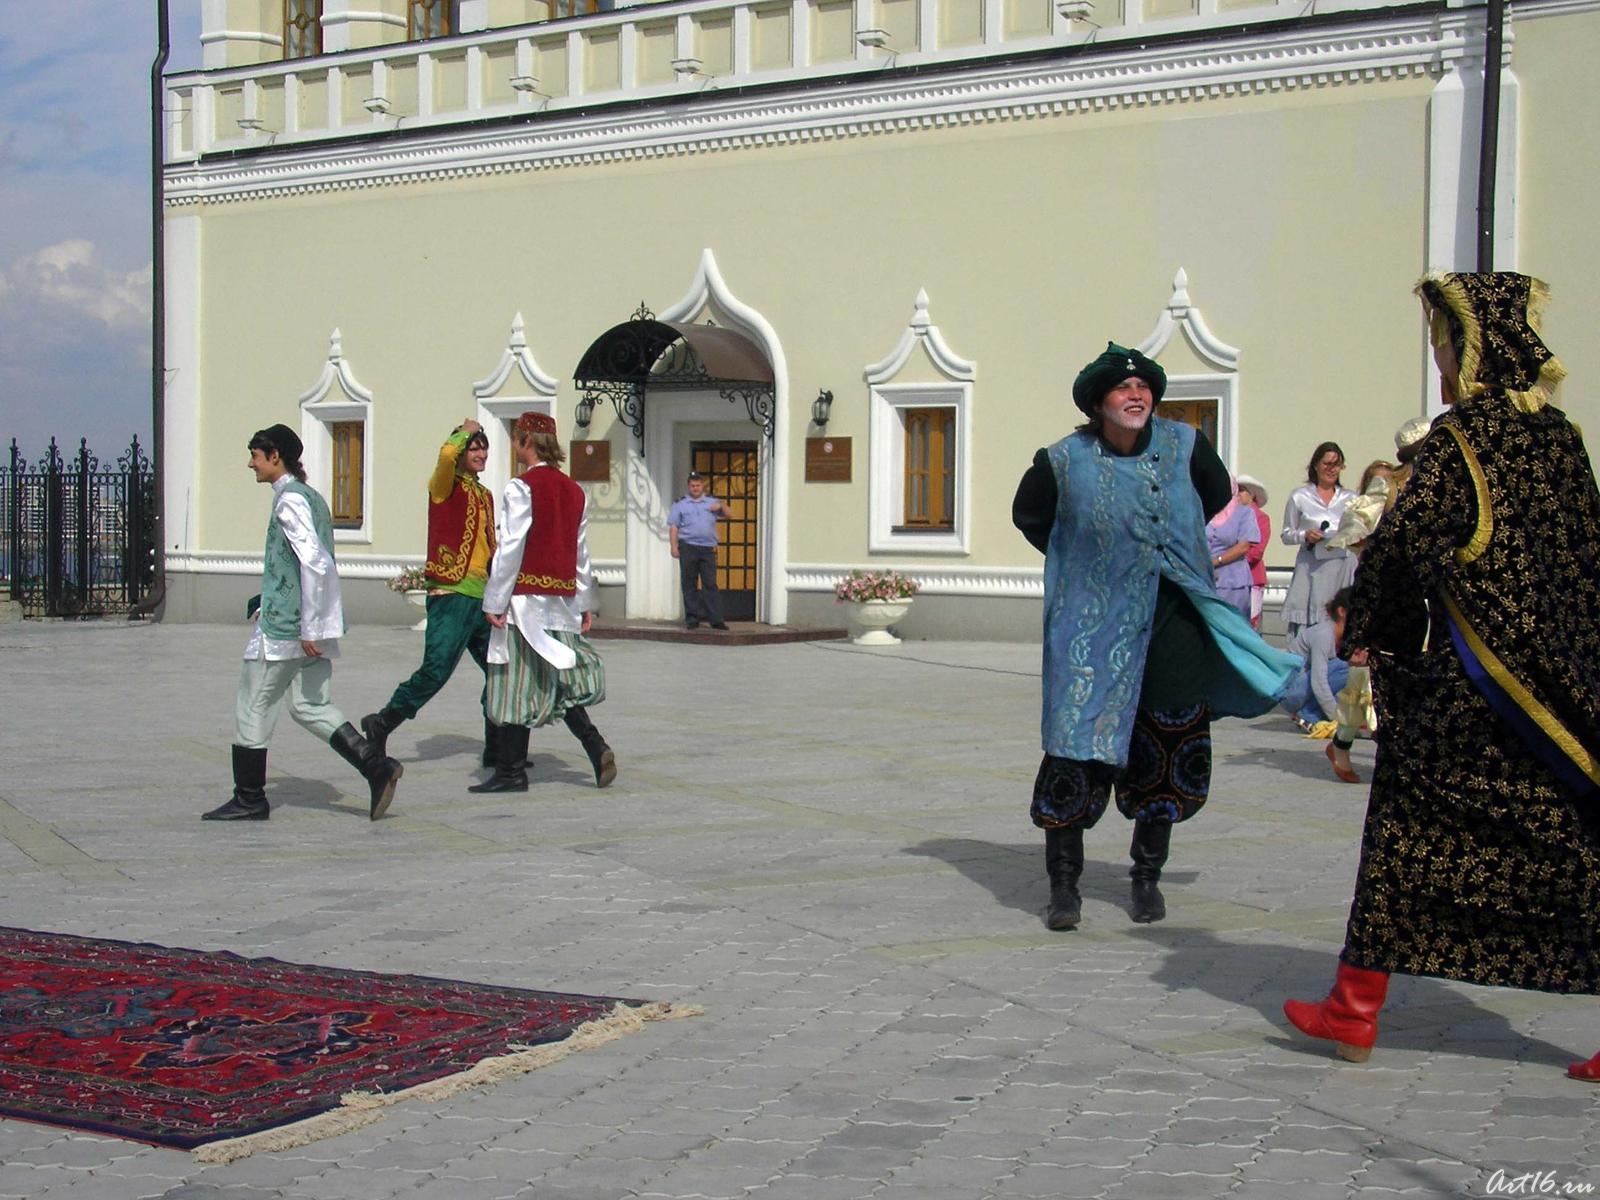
<point x="158" y="313"/>
<point x="1489" y="142"/>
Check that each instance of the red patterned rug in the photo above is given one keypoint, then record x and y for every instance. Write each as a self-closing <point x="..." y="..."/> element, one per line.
<point x="189" y="1049"/>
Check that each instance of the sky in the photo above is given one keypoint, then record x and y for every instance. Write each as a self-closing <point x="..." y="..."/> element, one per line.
<point x="75" y="239"/>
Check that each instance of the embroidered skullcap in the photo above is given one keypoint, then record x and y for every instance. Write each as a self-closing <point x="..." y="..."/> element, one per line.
<point x="536" y="422"/>
<point x="1110" y="369"/>
<point x="1255" y="487"/>
<point x="1496" y="315"/>
<point x="282" y="439"/>
<point x="1411" y="433"/>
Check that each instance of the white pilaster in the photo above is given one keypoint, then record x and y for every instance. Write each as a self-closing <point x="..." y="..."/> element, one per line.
<point x="181" y="423"/>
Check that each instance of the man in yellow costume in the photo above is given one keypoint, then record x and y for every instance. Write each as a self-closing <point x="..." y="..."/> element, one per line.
<point x="461" y="542"/>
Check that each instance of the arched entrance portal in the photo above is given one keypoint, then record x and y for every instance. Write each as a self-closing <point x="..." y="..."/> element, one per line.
<point x="690" y="396"/>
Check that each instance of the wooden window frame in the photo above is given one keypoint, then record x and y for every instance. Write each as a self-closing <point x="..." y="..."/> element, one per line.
<point x="314" y="27"/>
<point x="450" y="15"/>
<point x="937" y="425"/>
<point x="347" y="489"/>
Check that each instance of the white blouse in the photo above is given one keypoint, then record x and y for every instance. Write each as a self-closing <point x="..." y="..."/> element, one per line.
<point x="530" y="614"/>
<point x="1306" y="510"/>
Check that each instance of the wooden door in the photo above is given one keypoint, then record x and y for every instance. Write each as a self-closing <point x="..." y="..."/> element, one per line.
<point x="731" y="471"/>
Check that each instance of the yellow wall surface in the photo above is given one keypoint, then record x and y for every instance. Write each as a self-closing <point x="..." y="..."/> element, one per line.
<point x="1560" y="171"/>
<point x="1298" y="217"/>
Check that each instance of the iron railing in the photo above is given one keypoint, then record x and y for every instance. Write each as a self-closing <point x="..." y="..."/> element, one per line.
<point x="78" y="538"/>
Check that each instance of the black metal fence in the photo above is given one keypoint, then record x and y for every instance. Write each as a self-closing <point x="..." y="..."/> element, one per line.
<point x="77" y="539"/>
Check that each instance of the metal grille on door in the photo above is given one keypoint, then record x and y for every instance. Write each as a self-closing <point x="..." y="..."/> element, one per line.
<point x="731" y="471"/>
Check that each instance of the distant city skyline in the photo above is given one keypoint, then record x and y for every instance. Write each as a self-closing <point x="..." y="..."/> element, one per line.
<point x="75" y="270"/>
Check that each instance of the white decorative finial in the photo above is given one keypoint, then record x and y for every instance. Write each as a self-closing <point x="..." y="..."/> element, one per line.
<point x="1180" y="291"/>
<point x="919" y="316"/>
<point x="519" y="336"/>
<point x="336" y="346"/>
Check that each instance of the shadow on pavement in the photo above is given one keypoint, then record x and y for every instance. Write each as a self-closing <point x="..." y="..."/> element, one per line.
<point x="1422" y="1014"/>
<point x="1014" y="874"/>
<point x="444" y="745"/>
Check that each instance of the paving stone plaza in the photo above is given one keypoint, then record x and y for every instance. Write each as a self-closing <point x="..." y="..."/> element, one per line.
<point x="825" y="847"/>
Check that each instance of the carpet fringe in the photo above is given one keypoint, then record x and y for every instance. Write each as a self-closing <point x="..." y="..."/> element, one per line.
<point x="358" y="1109"/>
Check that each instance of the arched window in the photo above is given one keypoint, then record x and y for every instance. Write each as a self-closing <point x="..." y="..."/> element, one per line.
<point x="302" y="28"/>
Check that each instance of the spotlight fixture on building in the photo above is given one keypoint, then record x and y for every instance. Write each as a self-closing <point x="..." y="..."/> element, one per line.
<point x="873" y="39"/>
<point x="526" y="84"/>
<point x="378" y="106"/>
<point x="1077" y="10"/>
<point x="687" y="68"/>
<point x="821" y="407"/>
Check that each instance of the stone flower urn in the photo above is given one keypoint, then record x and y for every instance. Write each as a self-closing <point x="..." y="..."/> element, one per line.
<point x="875" y="617"/>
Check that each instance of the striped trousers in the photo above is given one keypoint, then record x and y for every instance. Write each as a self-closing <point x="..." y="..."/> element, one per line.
<point x="529" y="691"/>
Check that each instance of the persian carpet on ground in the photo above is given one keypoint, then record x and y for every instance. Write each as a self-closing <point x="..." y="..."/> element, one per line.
<point x="188" y="1049"/>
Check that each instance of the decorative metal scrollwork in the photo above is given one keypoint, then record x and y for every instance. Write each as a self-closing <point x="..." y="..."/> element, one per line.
<point x="626" y="397"/>
<point x="759" y="403"/>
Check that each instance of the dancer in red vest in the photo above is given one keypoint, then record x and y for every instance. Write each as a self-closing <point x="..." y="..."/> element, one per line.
<point x="460" y="547"/>
<point x="541" y="600"/>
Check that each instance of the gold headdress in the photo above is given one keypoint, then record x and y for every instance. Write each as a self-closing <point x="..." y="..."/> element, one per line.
<point x="1493" y="317"/>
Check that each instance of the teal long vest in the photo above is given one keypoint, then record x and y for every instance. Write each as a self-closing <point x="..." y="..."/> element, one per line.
<point x="1122" y="522"/>
<point x="280" y="575"/>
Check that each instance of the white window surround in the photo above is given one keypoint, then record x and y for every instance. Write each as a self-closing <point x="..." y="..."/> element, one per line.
<point x="320" y="408"/>
<point x="1183" y="314"/>
<point x="496" y="413"/>
<point x="886" y="431"/>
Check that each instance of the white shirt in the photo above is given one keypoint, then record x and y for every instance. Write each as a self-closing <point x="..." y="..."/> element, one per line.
<point x="321" y="609"/>
<point x="1306" y="510"/>
<point x="531" y="614"/>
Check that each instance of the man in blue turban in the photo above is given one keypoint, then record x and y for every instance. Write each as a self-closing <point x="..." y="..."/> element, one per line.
<point x="1139" y="650"/>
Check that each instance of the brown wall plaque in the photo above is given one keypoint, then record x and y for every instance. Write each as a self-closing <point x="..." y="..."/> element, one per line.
<point x="590" y="461"/>
<point x="828" y="460"/>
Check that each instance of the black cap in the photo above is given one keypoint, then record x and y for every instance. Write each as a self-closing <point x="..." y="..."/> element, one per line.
<point x="282" y="439"/>
<point x="696" y="475"/>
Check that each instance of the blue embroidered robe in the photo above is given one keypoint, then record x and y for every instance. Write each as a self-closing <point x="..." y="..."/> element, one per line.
<point x="1122" y="523"/>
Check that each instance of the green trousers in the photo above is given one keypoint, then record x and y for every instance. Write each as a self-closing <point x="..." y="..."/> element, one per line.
<point x="455" y="623"/>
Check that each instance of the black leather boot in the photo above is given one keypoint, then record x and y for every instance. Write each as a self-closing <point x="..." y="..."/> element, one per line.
<point x="511" y="762"/>
<point x="380" y="772"/>
<point x="376" y="727"/>
<point x="249" y="800"/>
<point x="1063" y="862"/>
<point x="491" y="743"/>
<point x="1151" y="840"/>
<point x="601" y="758"/>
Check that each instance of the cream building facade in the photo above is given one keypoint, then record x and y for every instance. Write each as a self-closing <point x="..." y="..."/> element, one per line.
<point x="934" y="210"/>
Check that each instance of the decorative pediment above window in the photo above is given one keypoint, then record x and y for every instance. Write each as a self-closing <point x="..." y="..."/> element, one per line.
<point x="336" y="429"/>
<point x="516" y="357"/>
<point x="1210" y="401"/>
<point x="1182" y="313"/>
<point x="923" y="332"/>
<point x="497" y="412"/>
<point x="919" y="474"/>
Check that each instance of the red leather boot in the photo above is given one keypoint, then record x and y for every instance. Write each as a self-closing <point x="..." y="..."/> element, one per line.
<point x="1349" y="1016"/>
<point x="1589" y="1071"/>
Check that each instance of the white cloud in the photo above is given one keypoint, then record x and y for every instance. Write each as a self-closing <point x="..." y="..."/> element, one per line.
<point x="68" y="279"/>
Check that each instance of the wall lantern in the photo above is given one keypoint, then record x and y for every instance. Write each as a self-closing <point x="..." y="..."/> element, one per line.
<point x="820" y="407"/>
<point x="584" y="412"/>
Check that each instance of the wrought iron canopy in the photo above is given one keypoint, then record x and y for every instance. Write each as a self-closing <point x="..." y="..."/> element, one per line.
<point x="645" y="354"/>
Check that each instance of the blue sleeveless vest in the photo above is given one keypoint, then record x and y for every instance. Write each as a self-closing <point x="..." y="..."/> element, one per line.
<point x="1122" y="522"/>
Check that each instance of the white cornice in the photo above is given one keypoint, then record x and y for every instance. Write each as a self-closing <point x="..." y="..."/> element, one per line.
<point x="1380" y="49"/>
<point x="1016" y="582"/>
<point x="607" y="572"/>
